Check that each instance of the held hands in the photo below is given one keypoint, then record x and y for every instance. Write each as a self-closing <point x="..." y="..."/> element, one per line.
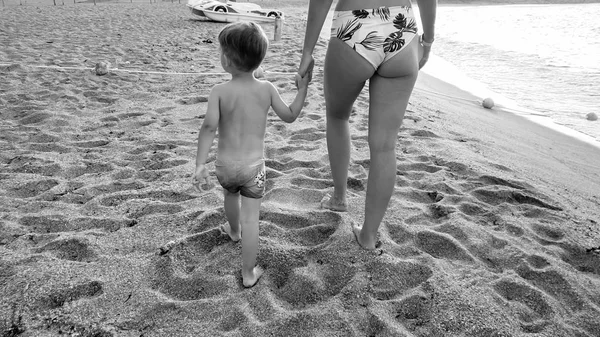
<point x="307" y="63"/>
<point x="200" y="178"/>
<point x="302" y="82"/>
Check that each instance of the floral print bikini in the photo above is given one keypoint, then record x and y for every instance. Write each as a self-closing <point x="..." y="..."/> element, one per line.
<point x="376" y="34"/>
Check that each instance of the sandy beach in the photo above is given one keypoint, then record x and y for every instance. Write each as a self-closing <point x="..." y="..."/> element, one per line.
<point x="493" y="229"/>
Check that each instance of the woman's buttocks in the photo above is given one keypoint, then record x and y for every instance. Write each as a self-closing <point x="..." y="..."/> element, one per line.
<point x="348" y="5"/>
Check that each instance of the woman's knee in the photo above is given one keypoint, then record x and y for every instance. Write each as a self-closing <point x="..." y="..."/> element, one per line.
<point x="380" y="143"/>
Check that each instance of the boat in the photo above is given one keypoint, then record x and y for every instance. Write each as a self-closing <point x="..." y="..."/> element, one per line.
<point x="231" y="11"/>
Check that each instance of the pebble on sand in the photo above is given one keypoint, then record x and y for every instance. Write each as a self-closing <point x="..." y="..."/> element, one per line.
<point x="488" y="103"/>
<point x="102" y="68"/>
<point x="592" y="117"/>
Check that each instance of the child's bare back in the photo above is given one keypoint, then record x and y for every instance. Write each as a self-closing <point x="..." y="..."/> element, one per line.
<point x="244" y="106"/>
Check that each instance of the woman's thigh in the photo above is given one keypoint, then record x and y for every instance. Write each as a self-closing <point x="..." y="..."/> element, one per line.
<point x="389" y="91"/>
<point x="345" y="74"/>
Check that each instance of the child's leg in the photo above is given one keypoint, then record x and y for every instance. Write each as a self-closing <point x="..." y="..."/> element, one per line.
<point x="249" y="220"/>
<point x="232" y="212"/>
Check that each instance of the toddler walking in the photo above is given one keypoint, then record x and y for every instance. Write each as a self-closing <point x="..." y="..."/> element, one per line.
<point x="238" y="109"/>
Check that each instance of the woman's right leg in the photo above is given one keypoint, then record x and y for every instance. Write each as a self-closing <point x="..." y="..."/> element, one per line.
<point x="389" y="92"/>
<point x="345" y="73"/>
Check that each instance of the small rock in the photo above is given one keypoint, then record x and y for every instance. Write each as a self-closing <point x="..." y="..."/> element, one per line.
<point x="102" y="68"/>
<point x="592" y="116"/>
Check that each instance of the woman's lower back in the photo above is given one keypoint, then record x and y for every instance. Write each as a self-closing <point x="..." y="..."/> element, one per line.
<point x="346" y="5"/>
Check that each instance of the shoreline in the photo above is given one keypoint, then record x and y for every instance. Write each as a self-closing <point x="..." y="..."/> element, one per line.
<point x="447" y="72"/>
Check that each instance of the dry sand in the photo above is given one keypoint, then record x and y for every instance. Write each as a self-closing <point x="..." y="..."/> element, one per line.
<point x="492" y="229"/>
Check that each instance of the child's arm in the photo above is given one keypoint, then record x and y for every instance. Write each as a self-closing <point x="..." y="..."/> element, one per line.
<point x="290" y="113"/>
<point x="206" y="137"/>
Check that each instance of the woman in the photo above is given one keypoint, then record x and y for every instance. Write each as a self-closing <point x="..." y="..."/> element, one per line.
<point x="373" y="40"/>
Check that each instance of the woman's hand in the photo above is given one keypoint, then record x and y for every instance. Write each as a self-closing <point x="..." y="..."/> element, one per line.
<point x="424" y="50"/>
<point x="306" y="66"/>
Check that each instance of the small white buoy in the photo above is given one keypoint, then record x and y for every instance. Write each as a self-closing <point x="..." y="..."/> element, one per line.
<point x="592" y="117"/>
<point x="102" y="68"/>
<point x="259" y="72"/>
<point x="488" y="103"/>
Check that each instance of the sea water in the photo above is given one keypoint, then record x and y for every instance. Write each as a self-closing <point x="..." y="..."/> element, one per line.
<point x="541" y="61"/>
<point x="545" y="59"/>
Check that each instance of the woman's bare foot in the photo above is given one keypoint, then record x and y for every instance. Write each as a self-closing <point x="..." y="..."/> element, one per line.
<point x="366" y="244"/>
<point x="251" y="279"/>
<point x="330" y="203"/>
<point x="235" y="237"/>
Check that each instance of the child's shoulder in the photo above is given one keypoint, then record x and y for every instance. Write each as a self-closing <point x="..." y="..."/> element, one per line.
<point x="222" y="89"/>
<point x="265" y="85"/>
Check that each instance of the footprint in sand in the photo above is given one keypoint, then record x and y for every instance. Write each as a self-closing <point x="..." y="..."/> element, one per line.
<point x="196" y="267"/>
<point x="32" y="165"/>
<point x="293" y="198"/>
<point x="497" y="195"/>
<point x="58" y="297"/>
<point x="153" y="208"/>
<point x="547" y="235"/>
<point x="393" y="277"/>
<point x="309" y="134"/>
<point x="35" y="118"/>
<point x="49" y="147"/>
<point x="33" y="188"/>
<point x="282" y="166"/>
<point x="152" y="148"/>
<point x="530" y="305"/>
<point x="303" y="230"/>
<point x="553" y="284"/>
<point x="287" y="240"/>
<point x="414" y="311"/>
<point x="442" y="246"/>
<point x="59" y="223"/>
<point x="73" y="249"/>
<point x="88" y="167"/>
<point x="582" y="259"/>
<point x="164" y="196"/>
<point x="91" y="144"/>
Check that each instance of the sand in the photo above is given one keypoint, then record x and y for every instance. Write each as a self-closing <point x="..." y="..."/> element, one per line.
<point x="492" y="229"/>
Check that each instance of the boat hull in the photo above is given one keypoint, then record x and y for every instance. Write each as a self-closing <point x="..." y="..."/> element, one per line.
<point x="236" y="17"/>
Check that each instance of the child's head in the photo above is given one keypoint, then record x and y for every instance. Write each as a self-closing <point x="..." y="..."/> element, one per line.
<point x="244" y="44"/>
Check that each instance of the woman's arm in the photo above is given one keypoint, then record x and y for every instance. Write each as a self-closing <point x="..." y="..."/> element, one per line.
<point x="427" y="9"/>
<point x="317" y="12"/>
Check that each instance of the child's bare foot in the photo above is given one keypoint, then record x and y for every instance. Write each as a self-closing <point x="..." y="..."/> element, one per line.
<point x="330" y="203"/>
<point x="251" y="279"/>
<point x="368" y="245"/>
<point x="235" y="237"/>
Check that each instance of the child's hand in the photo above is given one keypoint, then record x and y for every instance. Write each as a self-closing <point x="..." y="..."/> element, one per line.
<point x="200" y="177"/>
<point x="302" y="82"/>
<point x="307" y="75"/>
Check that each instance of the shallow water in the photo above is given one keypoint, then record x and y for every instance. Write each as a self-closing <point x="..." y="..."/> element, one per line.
<point x="543" y="57"/>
